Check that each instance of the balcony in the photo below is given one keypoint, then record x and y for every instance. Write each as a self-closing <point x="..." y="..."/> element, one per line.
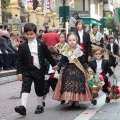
<point x="108" y="7"/>
<point x="81" y="13"/>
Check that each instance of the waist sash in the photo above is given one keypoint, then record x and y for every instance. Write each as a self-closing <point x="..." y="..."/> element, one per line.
<point x="71" y="55"/>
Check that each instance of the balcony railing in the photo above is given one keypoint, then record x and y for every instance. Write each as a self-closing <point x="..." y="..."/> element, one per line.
<point x="81" y="13"/>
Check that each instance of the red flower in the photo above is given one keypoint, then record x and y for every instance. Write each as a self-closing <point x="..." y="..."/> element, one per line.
<point x="117" y="91"/>
<point x="116" y="86"/>
<point x="103" y="75"/>
<point x="109" y="84"/>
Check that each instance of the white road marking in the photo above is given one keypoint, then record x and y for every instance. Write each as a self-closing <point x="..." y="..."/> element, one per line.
<point x="91" y="110"/>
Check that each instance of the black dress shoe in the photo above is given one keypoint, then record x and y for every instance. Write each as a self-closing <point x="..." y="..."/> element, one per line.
<point x="94" y="102"/>
<point x="43" y="104"/>
<point x="107" y="100"/>
<point x="21" y="110"/>
<point x="62" y="102"/>
<point x="39" y="109"/>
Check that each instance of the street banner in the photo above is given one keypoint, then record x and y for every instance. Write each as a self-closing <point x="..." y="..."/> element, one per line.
<point x="27" y="2"/>
<point x="71" y="3"/>
<point x="46" y="5"/>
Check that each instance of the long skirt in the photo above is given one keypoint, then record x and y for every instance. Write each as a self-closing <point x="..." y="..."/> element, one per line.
<point x="72" y="85"/>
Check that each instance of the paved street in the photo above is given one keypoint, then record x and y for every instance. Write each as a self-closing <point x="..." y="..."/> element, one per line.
<point x="9" y="94"/>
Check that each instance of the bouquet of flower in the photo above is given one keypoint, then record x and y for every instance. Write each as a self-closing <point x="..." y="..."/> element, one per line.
<point x="95" y="82"/>
<point x="115" y="90"/>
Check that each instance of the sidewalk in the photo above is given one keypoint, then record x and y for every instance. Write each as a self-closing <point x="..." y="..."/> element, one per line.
<point x="7" y="76"/>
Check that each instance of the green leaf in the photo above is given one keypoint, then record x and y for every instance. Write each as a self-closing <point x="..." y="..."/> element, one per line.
<point x="109" y="23"/>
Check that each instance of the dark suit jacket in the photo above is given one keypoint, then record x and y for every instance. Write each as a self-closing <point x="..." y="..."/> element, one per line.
<point x="2" y="45"/>
<point x="24" y="61"/>
<point x="115" y="48"/>
<point x="6" y="43"/>
<point x="105" y="66"/>
<point x="87" y="43"/>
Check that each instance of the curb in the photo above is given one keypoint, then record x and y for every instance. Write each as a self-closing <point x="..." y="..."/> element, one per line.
<point x="7" y="76"/>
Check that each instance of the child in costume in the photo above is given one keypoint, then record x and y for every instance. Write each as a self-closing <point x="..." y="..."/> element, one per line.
<point x="73" y="86"/>
<point x="113" y="52"/>
<point x="31" y="67"/>
<point x="51" y="78"/>
<point x="100" y="66"/>
<point x="61" y="46"/>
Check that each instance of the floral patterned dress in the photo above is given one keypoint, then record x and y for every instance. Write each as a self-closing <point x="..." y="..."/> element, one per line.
<point x="72" y="85"/>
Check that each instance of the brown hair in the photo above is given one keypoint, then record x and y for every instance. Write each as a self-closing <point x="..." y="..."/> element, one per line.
<point x="99" y="49"/>
<point x="111" y="37"/>
<point x="63" y="34"/>
<point x="52" y="50"/>
<point x="13" y="34"/>
<point x="70" y="34"/>
<point x="46" y="27"/>
<point x="79" y="21"/>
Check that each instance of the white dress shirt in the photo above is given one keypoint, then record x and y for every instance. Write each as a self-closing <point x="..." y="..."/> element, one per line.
<point x="81" y="36"/>
<point x="34" y="52"/>
<point x="111" y="45"/>
<point x="99" y="66"/>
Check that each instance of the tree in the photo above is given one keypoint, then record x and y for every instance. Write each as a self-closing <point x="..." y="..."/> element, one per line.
<point x="109" y="23"/>
<point x="5" y="3"/>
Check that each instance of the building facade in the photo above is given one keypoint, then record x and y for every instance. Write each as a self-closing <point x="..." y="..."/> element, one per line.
<point x="90" y="11"/>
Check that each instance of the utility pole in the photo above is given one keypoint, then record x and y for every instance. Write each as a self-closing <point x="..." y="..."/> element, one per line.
<point x="64" y="14"/>
<point x="35" y="4"/>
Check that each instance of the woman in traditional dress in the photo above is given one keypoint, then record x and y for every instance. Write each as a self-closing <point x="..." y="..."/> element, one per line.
<point x="96" y="37"/>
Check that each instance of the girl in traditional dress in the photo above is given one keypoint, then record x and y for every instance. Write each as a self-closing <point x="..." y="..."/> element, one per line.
<point x="62" y="44"/>
<point x="73" y="86"/>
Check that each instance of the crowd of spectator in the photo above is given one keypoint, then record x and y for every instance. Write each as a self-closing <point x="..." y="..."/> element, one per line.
<point x="8" y="48"/>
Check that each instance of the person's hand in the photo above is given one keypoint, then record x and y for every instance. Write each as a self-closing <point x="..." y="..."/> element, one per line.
<point x="55" y="68"/>
<point x="17" y="44"/>
<point x="19" y="77"/>
<point x="90" y="70"/>
<point x="6" y="51"/>
<point x="114" y="76"/>
<point x="89" y="58"/>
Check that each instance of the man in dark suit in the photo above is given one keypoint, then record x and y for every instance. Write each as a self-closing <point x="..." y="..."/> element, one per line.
<point x="31" y="66"/>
